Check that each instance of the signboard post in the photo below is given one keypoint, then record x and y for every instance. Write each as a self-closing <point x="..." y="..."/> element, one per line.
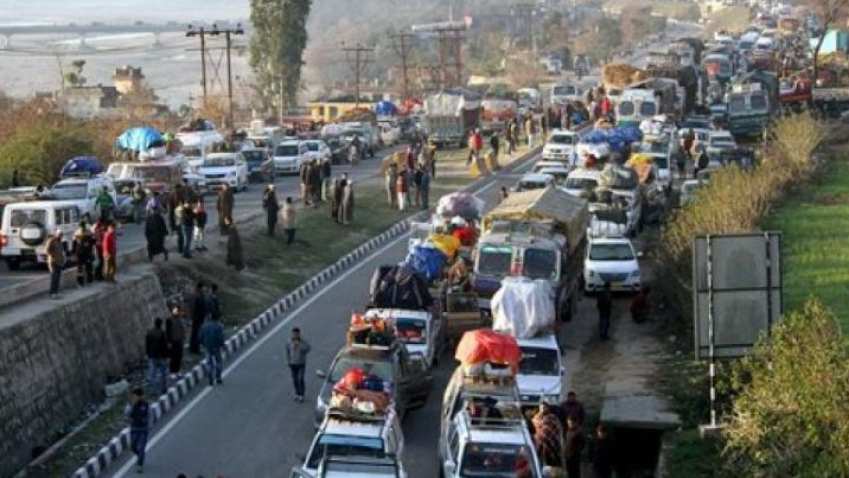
<point x="737" y="295"/>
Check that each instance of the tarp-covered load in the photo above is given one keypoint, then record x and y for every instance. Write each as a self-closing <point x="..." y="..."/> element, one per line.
<point x="140" y="139"/>
<point x="484" y="346"/>
<point x="81" y="166"/>
<point x="642" y="164"/>
<point x="618" y="139"/>
<point x="460" y="204"/>
<point x="618" y="177"/>
<point x="523" y="307"/>
<point x="399" y="287"/>
<point x="620" y="75"/>
<point x="451" y="102"/>
<point x="569" y="213"/>
<point x="385" y="108"/>
<point x="427" y="260"/>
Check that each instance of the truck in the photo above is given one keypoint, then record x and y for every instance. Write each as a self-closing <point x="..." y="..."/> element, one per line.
<point x="496" y="113"/>
<point x="748" y="111"/>
<point x="539" y="234"/>
<point x="830" y="102"/>
<point x="450" y="115"/>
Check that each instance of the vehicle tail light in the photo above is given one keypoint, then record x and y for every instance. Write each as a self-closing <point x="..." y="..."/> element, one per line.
<point x="3" y="240"/>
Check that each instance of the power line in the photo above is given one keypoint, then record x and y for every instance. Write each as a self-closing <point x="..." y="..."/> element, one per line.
<point x="228" y="34"/>
<point x="402" y="48"/>
<point x="358" y="58"/>
<point x="450" y="55"/>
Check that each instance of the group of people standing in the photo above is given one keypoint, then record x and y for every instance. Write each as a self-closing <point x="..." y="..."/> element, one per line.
<point x="408" y="182"/>
<point x="314" y="175"/>
<point x="95" y="252"/>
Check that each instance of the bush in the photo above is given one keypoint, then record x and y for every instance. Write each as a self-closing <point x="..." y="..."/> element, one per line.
<point x="38" y="152"/>
<point x="735" y="200"/>
<point x="791" y="416"/>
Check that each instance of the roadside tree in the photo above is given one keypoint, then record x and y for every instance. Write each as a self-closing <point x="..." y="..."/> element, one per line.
<point x="829" y="13"/>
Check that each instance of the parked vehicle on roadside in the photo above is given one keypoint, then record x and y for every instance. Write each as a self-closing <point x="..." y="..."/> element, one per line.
<point x="225" y="168"/>
<point x="84" y="192"/>
<point x="581" y="181"/>
<point x="260" y="165"/>
<point x="353" y="464"/>
<point x="27" y="226"/>
<point x="319" y="150"/>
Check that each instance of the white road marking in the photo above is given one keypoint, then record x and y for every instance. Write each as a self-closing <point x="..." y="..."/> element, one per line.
<point x="268" y="335"/>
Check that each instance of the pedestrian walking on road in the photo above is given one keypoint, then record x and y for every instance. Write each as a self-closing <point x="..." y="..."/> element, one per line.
<point x="548" y="436"/>
<point x="225" y="208"/>
<point x="601" y="453"/>
<point x="504" y="193"/>
<point x="200" y="309"/>
<point x="139" y="414"/>
<point x="156" y="348"/>
<point x="604" y="303"/>
<point x="424" y="188"/>
<point x="573" y="408"/>
<point x="16" y="182"/>
<point x="346" y="210"/>
<point x="289" y="218"/>
<point x="188" y="225"/>
<point x="155" y="232"/>
<point x="235" y="256"/>
<point x="55" y="250"/>
<point x="200" y="225"/>
<point x="272" y="207"/>
<point x="529" y="130"/>
<point x="110" y="253"/>
<point x="573" y="448"/>
<point x="176" y="197"/>
<point x="84" y="254"/>
<point x="175" y="331"/>
<point x="296" y="356"/>
<point x="213" y="301"/>
<point x="212" y="339"/>
<point x="390" y="178"/>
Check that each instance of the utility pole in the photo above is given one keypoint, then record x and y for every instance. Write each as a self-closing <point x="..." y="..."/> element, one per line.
<point x="402" y="48"/>
<point x="215" y="31"/>
<point x="358" y="58"/>
<point x="450" y="55"/>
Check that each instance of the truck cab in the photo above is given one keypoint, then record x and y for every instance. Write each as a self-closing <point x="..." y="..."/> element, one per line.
<point x="748" y="110"/>
<point x="635" y="106"/>
<point x="563" y="93"/>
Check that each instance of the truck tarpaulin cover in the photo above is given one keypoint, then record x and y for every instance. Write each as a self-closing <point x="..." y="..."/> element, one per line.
<point x="523" y="307"/>
<point x="618" y="177"/>
<point x="427" y="261"/>
<point x="451" y="102"/>
<point x="81" y="165"/>
<point x="550" y="204"/>
<point x="484" y="345"/>
<point x="140" y="139"/>
<point x="399" y="287"/>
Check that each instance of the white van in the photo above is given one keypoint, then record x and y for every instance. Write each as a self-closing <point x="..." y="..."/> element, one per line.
<point x="541" y="371"/>
<point x="26" y="227"/>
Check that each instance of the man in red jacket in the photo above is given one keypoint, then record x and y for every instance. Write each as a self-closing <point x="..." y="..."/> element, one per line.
<point x="110" y="253"/>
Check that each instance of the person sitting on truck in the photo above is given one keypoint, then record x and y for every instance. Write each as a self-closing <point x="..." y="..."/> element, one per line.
<point x="458" y="275"/>
<point x="464" y="232"/>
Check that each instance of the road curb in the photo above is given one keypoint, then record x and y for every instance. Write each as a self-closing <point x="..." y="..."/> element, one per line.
<point x="246" y="334"/>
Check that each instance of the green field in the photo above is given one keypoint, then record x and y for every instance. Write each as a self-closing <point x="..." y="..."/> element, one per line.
<point x="815" y="223"/>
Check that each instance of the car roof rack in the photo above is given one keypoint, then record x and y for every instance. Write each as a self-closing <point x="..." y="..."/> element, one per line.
<point x="491" y="424"/>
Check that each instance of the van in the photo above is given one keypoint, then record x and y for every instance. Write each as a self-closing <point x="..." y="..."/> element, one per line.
<point x="157" y="176"/>
<point x="636" y="105"/>
<point x="26" y="227"/>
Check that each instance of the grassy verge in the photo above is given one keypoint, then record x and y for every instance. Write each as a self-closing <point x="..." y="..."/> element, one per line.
<point x="815" y="246"/>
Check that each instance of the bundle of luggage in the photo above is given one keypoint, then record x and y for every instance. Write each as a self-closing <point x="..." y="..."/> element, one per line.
<point x="460" y="204"/>
<point x="522" y="307"/>
<point x="370" y="331"/>
<point x="358" y="392"/>
<point x="427" y="260"/>
<point x="487" y="354"/>
<point x="399" y="287"/>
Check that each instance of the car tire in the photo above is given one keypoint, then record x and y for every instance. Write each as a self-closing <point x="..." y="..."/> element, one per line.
<point x="36" y="240"/>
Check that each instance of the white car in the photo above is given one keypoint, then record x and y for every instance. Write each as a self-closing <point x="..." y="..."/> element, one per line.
<point x="533" y="181"/>
<point x="26" y="227"/>
<point x="390" y="132"/>
<point x="418" y="330"/>
<point x="84" y="192"/>
<point x="541" y="371"/>
<point x="219" y="169"/>
<point x="611" y="260"/>
<point x="289" y="155"/>
<point x="319" y="150"/>
<point x="581" y="180"/>
<point x="340" y="435"/>
<point x="719" y="142"/>
<point x="561" y="147"/>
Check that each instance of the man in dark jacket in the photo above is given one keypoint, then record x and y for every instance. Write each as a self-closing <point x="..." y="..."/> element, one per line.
<point x="572" y="408"/>
<point x="296" y="356"/>
<point x="212" y="339"/>
<point x="139" y="414"/>
<point x="573" y="448"/>
<point x="225" y="205"/>
<point x="604" y="303"/>
<point x="155" y="232"/>
<point x="156" y="348"/>
<point x="84" y="244"/>
<point x="304" y="177"/>
<point x="602" y="453"/>
<point x="199" y="313"/>
<point x="175" y="331"/>
<point x="188" y="225"/>
<point x="315" y="183"/>
<point x="272" y="207"/>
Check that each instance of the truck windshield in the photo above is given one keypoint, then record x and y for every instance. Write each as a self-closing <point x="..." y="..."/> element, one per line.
<point x="539" y="361"/>
<point x="344" y="445"/>
<point x="221" y="162"/>
<point x="563" y="90"/>
<point x="69" y="191"/>
<point x="648" y="108"/>
<point x="496" y="460"/>
<point x="758" y="102"/>
<point x="540" y="264"/>
<point x="495" y="261"/>
<point x="611" y="252"/>
<point x="736" y="104"/>
<point x="254" y="156"/>
<point x="626" y="108"/>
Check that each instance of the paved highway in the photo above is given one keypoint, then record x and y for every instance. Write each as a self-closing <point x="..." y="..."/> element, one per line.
<point x="251" y="200"/>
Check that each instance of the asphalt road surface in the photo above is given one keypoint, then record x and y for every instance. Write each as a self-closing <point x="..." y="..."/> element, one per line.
<point x="132" y="235"/>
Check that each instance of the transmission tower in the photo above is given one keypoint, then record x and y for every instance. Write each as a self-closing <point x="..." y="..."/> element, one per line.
<point x="358" y="58"/>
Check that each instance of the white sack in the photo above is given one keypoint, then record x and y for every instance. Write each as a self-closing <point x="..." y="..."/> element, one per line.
<point x="523" y="307"/>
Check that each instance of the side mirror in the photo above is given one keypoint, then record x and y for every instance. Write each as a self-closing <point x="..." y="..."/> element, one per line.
<point x="321" y="374"/>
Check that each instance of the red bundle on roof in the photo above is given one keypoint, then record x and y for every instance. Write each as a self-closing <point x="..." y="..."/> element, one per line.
<point x="487" y="346"/>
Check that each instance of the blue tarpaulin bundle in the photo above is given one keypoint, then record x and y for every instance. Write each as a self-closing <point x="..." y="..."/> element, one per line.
<point x="81" y="166"/>
<point x="385" y="108"/>
<point x="426" y="261"/>
<point x="140" y="139"/>
<point x="617" y="138"/>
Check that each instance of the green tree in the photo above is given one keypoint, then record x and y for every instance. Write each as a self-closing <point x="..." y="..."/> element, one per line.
<point x="791" y="416"/>
<point x="39" y="151"/>
<point x="277" y="47"/>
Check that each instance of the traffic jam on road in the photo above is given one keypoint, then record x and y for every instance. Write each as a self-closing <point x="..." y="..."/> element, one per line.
<point x="495" y="288"/>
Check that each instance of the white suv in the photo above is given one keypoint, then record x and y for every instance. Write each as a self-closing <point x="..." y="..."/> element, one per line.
<point x="83" y="192"/>
<point x="561" y="147"/>
<point x="488" y="447"/>
<point x="218" y="169"/>
<point x="26" y="227"/>
<point x="289" y="155"/>
<point x="611" y="260"/>
<point x="541" y="371"/>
